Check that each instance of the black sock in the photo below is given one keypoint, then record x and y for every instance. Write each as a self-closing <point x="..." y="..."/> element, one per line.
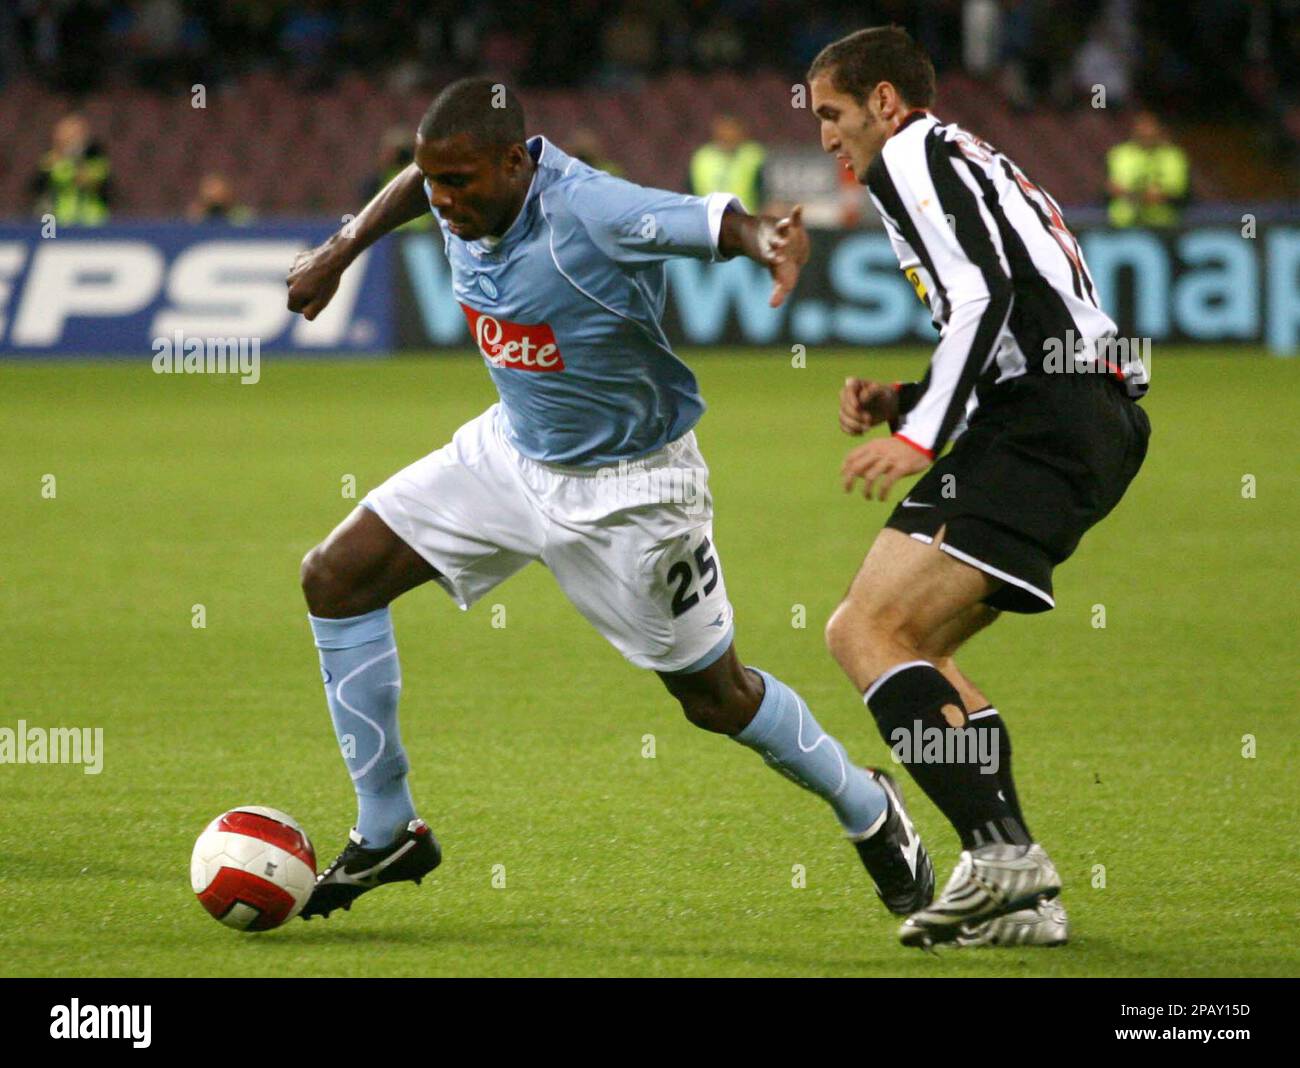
<point x="908" y="709"/>
<point x="987" y="718"/>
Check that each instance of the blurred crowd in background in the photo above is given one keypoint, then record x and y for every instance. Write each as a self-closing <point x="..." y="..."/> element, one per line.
<point x="1195" y="56"/>
<point x="1231" y="62"/>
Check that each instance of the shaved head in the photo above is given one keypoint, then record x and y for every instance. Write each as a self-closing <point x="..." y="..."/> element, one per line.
<point x="483" y="109"/>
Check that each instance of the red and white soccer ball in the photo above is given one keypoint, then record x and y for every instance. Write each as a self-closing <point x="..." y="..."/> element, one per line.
<point x="253" y="868"/>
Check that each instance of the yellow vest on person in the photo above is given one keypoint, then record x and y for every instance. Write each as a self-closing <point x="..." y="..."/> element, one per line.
<point x="76" y="189"/>
<point x="716" y="171"/>
<point x="1136" y="169"/>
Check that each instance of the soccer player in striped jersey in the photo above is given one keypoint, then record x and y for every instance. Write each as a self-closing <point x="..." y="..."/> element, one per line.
<point x="1045" y="433"/>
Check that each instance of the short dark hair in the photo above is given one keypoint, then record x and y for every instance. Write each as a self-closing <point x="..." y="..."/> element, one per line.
<point x="481" y="107"/>
<point x="861" y="61"/>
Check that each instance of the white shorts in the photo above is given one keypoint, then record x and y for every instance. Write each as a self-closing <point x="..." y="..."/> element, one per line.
<point x="631" y="545"/>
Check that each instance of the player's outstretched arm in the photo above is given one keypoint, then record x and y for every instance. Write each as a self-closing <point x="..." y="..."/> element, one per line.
<point x="780" y="245"/>
<point x="315" y="274"/>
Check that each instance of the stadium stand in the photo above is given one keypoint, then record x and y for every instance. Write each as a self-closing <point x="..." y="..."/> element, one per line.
<point x="159" y="145"/>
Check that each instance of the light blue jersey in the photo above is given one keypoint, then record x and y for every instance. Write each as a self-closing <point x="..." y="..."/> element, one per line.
<point x="566" y="310"/>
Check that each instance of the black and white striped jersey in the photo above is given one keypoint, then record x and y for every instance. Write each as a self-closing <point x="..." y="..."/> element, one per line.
<point x="990" y="254"/>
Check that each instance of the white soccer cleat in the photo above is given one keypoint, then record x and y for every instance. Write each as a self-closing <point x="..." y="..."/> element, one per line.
<point x="1044" y="925"/>
<point x="987" y="883"/>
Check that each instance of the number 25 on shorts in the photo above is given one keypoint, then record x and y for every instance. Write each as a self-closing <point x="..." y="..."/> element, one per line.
<point x="693" y="583"/>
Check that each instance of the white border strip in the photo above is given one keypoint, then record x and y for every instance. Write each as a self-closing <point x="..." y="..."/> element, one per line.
<point x="983" y="715"/>
<point x="870" y="831"/>
<point x="991" y="570"/>
<point x="890" y="674"/>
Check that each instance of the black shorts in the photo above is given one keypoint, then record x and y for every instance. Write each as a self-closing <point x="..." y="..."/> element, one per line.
<point x="1044" y="458"/>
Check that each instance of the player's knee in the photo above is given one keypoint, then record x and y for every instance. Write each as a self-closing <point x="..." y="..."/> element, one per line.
<point x="312" y="574"/>
<point x="322" y="584"/>
<point x="838" y="633"/>
<point x="854" y="631"/>
<point x="850" y="629"/>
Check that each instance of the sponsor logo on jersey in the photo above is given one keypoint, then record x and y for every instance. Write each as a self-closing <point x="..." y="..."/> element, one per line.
<point x="520" y="346"/>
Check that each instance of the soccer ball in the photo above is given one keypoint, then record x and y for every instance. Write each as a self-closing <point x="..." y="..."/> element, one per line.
<point x="253" y="868"/>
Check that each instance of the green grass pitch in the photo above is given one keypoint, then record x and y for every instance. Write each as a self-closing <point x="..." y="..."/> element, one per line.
<point x="1178" y="852"/>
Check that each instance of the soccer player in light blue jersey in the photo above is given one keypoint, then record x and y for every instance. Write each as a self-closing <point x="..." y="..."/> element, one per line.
<point x="588" y="463"/>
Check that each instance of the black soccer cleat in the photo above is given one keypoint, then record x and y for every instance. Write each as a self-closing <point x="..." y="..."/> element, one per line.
<point x="894" y="856"/>
<point x="357" y="869"/>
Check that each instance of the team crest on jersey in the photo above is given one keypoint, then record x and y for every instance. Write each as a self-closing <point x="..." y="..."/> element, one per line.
<point x="487" y="286"/>
<point x="519" y="346"/>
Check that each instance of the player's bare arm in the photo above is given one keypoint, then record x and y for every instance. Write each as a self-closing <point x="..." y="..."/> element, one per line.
<point x="362" y="565"/>
<point x="780" y="245"/>
<point x="314" y="276"/>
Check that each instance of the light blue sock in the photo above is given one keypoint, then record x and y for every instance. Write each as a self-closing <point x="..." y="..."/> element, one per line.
<point x="358" y="659"/>
<point x="784" y="733"/>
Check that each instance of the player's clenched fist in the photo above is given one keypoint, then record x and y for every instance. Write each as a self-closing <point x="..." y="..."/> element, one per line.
<point x="313" y="279"/>
<point x="864" y="404"/>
